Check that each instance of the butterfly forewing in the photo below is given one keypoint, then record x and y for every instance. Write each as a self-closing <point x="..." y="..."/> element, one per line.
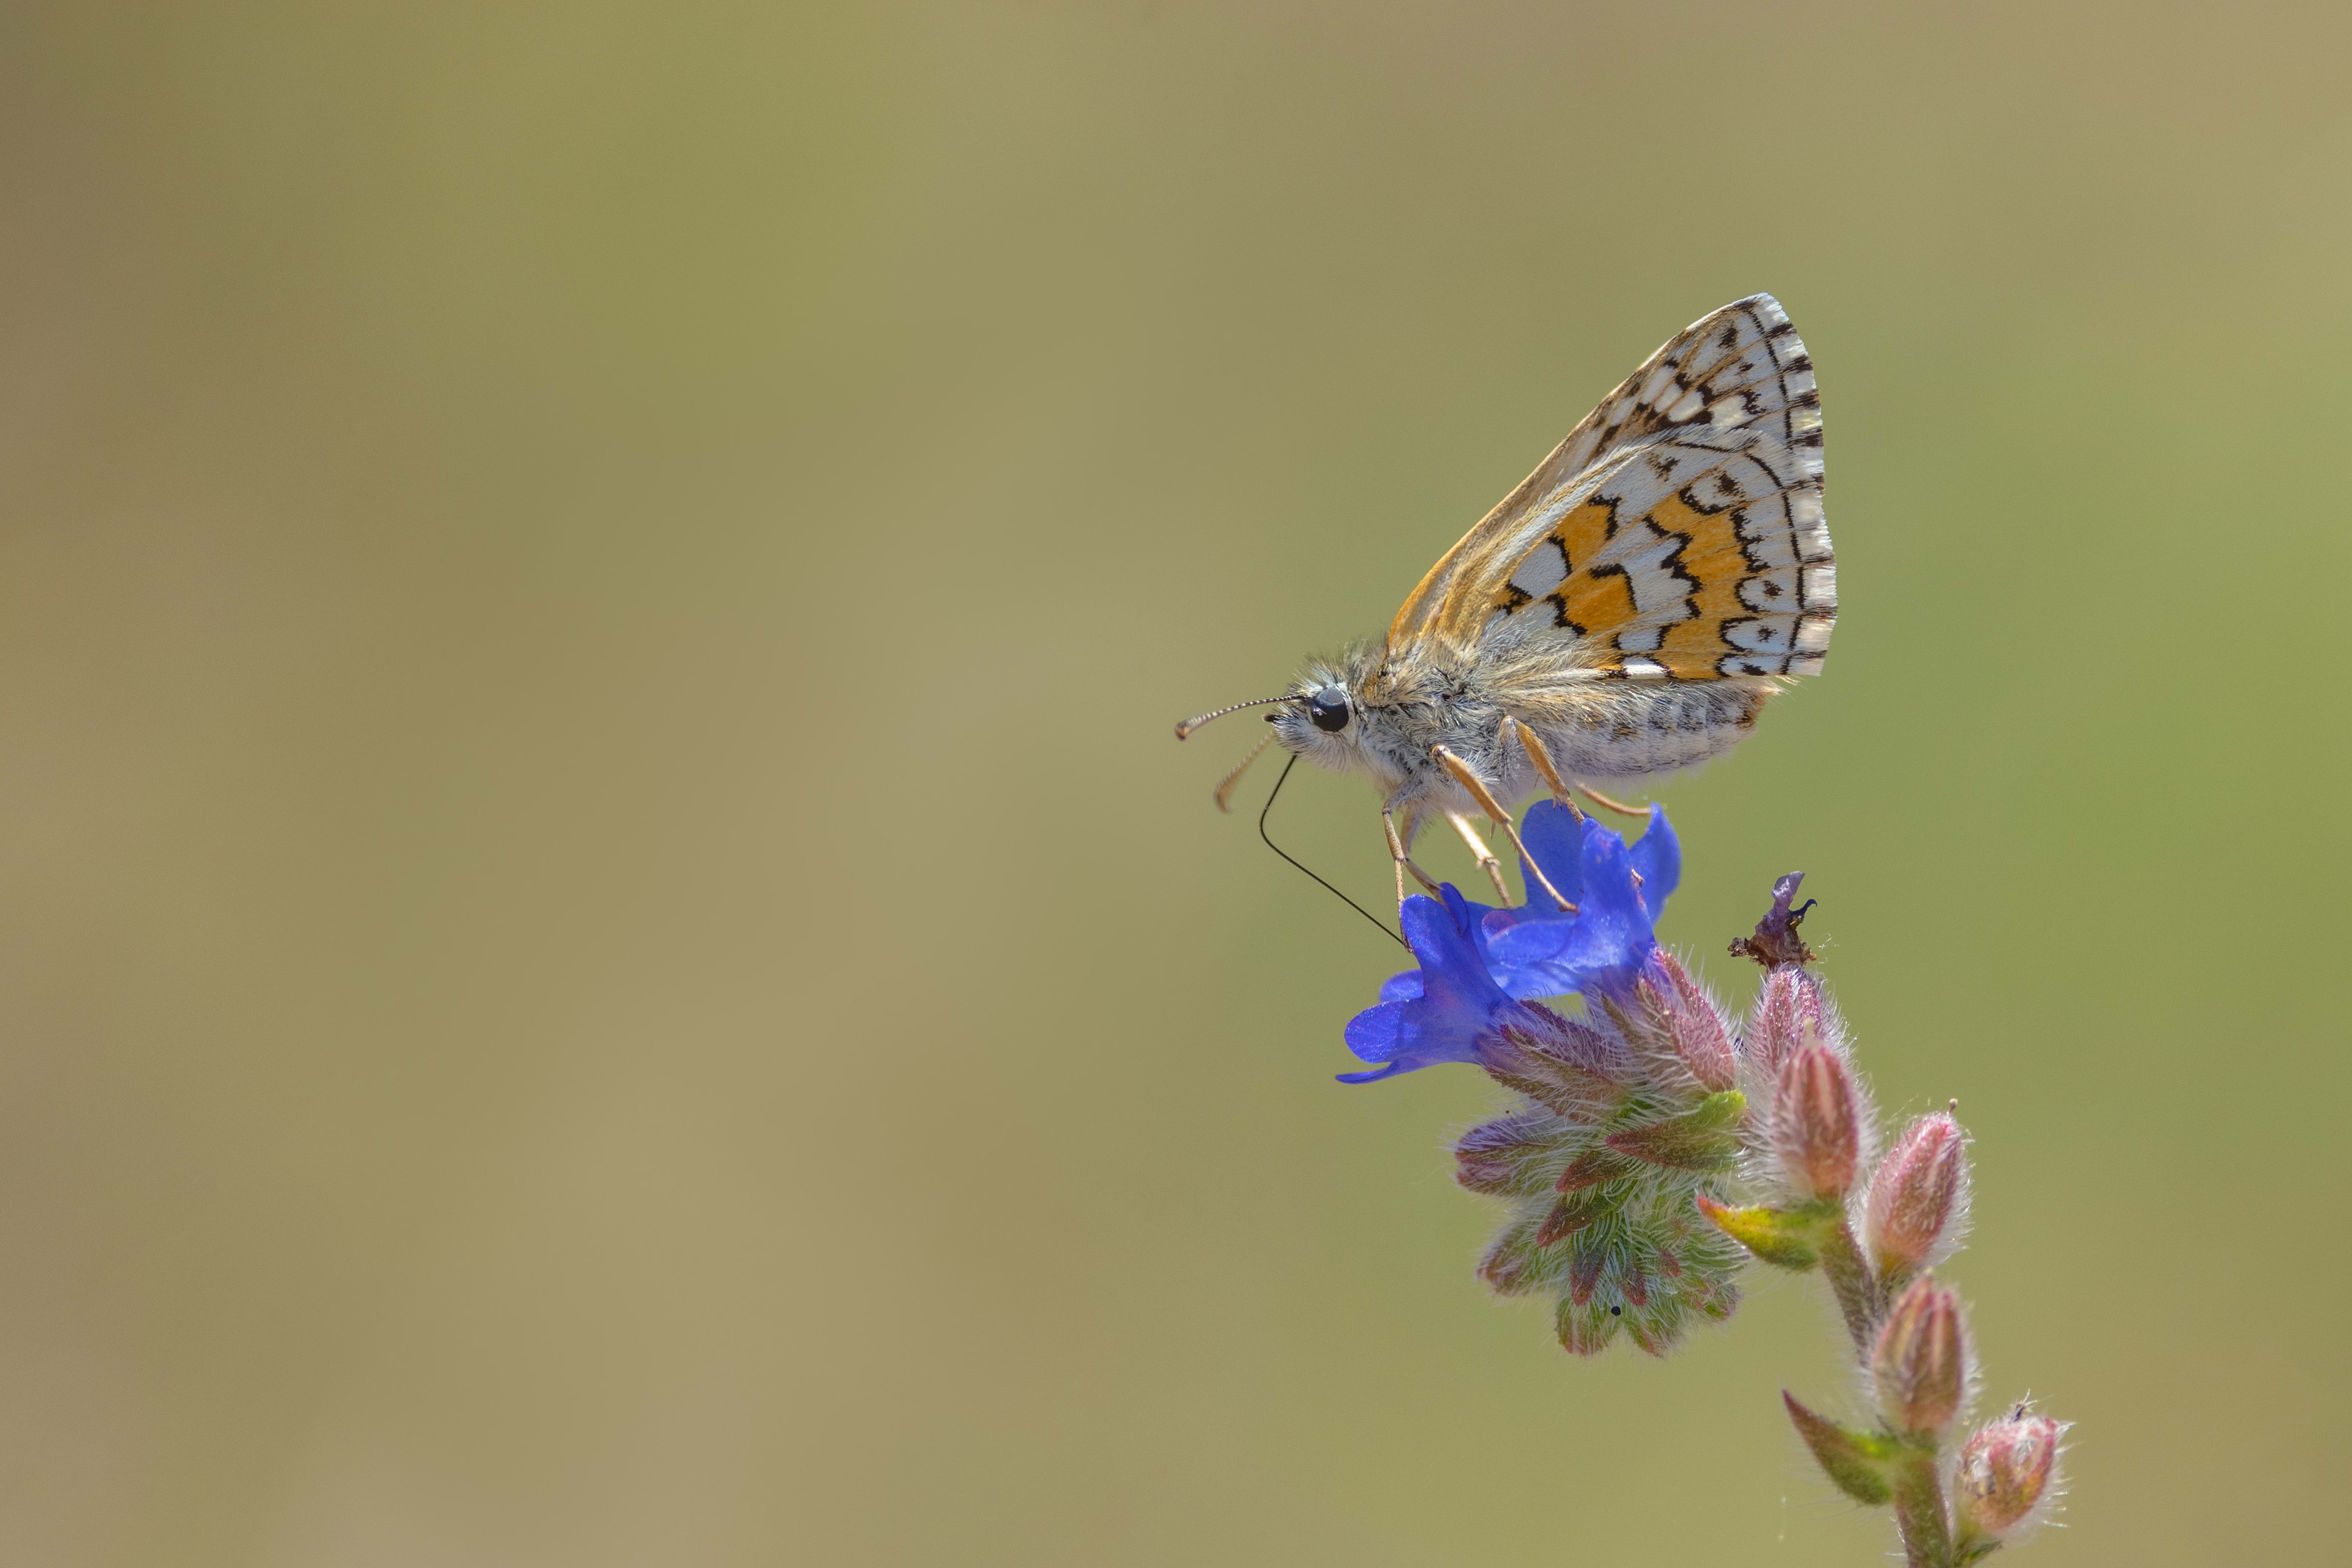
<point x="1677" y="533"/>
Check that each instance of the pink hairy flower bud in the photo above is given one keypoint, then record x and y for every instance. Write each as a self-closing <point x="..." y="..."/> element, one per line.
<point x="1920" y="1363"/>
<point x="1509" y="1156"/>
<point x="2005" y="1472"/>
<point x="1917" y="1197"/>
<point x="1788" y="1013"/>
<point x="1817" y="1123"/>
<point x="1700" y="1038"/>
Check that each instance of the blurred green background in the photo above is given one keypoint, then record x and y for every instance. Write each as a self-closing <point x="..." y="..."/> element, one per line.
<point x="604" y="956"/>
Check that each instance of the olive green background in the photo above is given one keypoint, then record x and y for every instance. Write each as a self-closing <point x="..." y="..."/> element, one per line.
<point x="604" y="956"/>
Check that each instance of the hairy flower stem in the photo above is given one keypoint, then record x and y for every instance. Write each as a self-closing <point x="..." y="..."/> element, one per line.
<point x="1875" y="1225"/>
<point x="1855" y="1287"/>
<point x="1919" y="1512"/>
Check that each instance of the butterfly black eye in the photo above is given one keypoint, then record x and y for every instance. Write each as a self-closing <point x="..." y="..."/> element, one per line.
<point x="1328" y="708"/>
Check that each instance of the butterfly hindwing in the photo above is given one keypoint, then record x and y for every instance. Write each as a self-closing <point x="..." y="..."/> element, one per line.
<point x="1677" y="533"/>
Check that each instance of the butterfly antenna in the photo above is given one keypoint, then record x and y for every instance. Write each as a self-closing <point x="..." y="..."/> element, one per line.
<point x="1278" y="849"/>
<point x="1184" y="730"/>
<point x="1225" y="796"/>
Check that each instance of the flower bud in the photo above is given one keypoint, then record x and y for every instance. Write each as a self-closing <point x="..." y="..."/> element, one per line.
<point x="2005" y="1473"/>
<point x="1787" y="1012"/>
<point x="1918" y="1197"/>
<point x="1817" y="1123"/>
<point x="1920" y="1363"/>
<point x="1701" y="1042"/>
<point x="1509" y="1156"/>
<point x="1703" y="1138"/>
<point x="1563" y="1065"/>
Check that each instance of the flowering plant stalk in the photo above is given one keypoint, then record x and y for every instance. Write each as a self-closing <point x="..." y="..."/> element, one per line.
<point x="1653" y="1146"/>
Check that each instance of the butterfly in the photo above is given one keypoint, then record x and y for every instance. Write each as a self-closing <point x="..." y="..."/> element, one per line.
<point x="1623" y="614"/>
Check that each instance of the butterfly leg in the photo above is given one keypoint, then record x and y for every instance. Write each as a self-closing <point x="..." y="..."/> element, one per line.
<point x="1619" y="807"/>
<point x="1397" y="852"/>
<point x="1484" y="857"/>
<point x="1540" y="755"/>
<point x="1470" y="781"/>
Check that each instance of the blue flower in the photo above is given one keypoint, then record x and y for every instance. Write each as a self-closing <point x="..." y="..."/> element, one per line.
<point x="1477" y="961"/>
<point x="1455" y="1000"/>
<point x="1619" y="892"/>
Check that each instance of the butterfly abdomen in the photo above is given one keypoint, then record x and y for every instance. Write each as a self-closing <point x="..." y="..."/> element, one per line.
<point x="1623" y="731"/>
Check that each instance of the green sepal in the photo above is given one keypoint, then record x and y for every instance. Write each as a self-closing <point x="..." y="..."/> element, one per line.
<point x="1786" y="1238"/>
<point x="1574" y="1212"/>
<point x="1585" y="1327"/>
<point x="1592" y="1168"/>
<point x="1860" y="1464"/>
<point x="1705" y="1138"/>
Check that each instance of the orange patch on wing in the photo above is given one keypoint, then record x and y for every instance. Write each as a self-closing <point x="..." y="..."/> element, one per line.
<point x="1583" y="532"/>
<point x="1713" y="560"/>
<point x="1596" y="603"/>
<point x="1600" y="605"/>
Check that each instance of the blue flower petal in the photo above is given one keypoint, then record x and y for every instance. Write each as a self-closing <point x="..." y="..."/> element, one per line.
<point x="1458" y="1002"/>
<point x="1555" y="838"/>
<point x="1613" y="930"/>
<point x="1610" y="935"/>
<point x="1659" y="859"/>
<point x="1470" y="917"/>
